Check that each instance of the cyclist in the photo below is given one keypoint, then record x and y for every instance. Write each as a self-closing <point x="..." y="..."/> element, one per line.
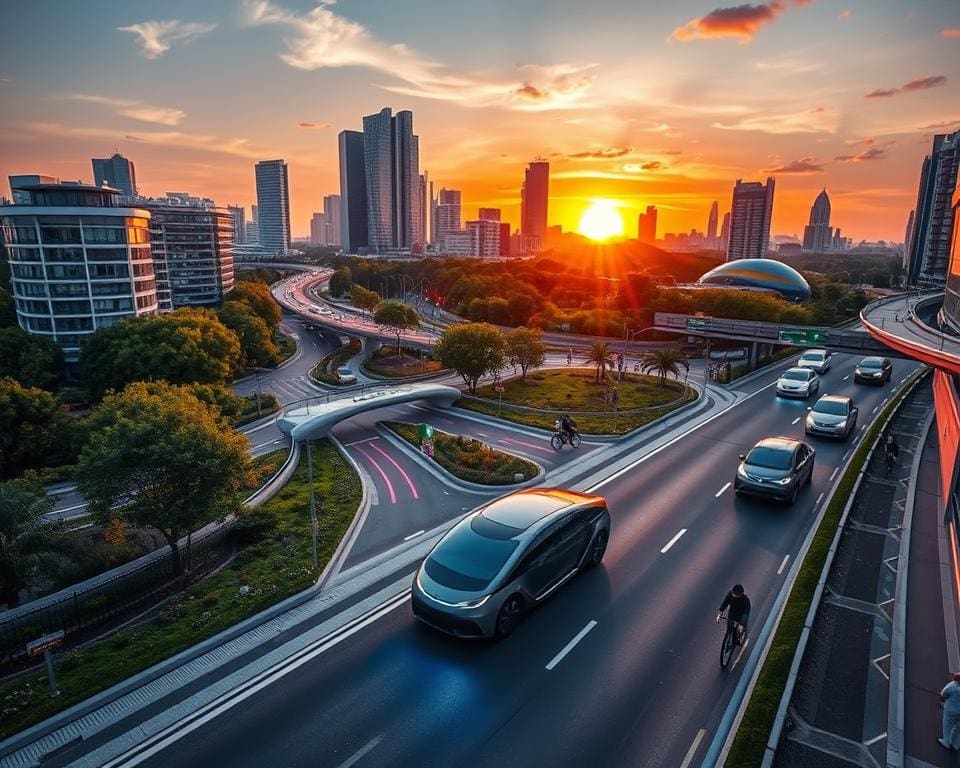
<point x="891" y="452"/>
<point x="737" y="605"/>
<point x="568" y="427"/>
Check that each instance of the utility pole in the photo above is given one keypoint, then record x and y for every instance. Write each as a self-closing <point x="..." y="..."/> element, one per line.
<point x="313" y="503"/>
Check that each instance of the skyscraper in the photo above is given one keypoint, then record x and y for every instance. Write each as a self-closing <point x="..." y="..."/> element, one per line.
<point x="647" y="225"/>
<point x="818" y="234"/>
<point x="317" y="234"/>
<point x="534" y="199"/>
<point x="273" y="205"/>
<point x="750" y="214"/>
<point x="448" y="214"/>
<point x="239" y="224"/>
<point x="725" y="232"/>
<point x="907" y="237"/>
<point x="489" y="214"/>
<point x="426" y="219"/>
<point x="933" y="220"/>
<point x="117" y="172"/>
<point x="712" y="226"/>
<point x="406" y="181"/>
<point x="331" y="220"/>
<point x="353" y="192"/>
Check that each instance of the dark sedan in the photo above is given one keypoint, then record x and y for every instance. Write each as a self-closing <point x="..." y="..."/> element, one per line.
<point x="832" y="416"/>
<point x="873" y="370"/>
<point x="775" y="468"/>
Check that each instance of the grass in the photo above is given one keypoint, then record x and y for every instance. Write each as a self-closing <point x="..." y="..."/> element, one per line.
<point x="264" y="467"/>
<point x="469" y="459"/>
<point x="273" y="563"/>
<point x="286" y="346"/>
<point x="575" y="390"/>
<point x="326" y="369"/>
<point x="268" y="405"/>
<point x="751" y="739"/>
<point x="386" y="364"/>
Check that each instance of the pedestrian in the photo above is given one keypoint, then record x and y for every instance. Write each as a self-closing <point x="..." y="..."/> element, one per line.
<point x="569" y="355"/>
<point x="950" y="700"/>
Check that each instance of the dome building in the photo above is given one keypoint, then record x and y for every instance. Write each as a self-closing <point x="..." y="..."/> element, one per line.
<point x="758" y="275"/>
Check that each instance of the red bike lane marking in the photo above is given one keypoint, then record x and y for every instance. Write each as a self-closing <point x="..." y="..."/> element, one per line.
<point x="388" y="457"/>
<point x="393" y="493"/>
<point x="510" y="441"/>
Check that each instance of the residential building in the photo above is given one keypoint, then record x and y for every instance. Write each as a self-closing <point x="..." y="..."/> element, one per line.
<point x="116" y="172"/>
<point x="750" y="215"/>
<point x="353" y="193"/>
<point x="447" y="213"/>
<point x="489" y="214"/>
<point x="534" y="199"/>
<point x="79" y="261"/>
<point x="647" y="225"/>
<point x="725" y="232"/>
<point x="933" y="221"/>
<point x="487" y="237"/>
<point x="19" y="181"/>
<point x="317" y="228"/>
<point x="462" y="243"/>
<point x="239" y="224"/>
<point x="273" y="206"/>
<point x="712" y="241"/>
<point x="818" y="234"/>
<point x="426" y="218"/>
<point x="524" y="245"/>
<point x="331" y="220"/>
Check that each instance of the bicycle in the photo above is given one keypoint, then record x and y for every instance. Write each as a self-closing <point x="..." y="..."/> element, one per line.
<point x="560" y="439"/>
<point x="732" y="637"/>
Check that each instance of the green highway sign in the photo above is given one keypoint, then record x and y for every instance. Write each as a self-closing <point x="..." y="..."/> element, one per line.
<point x="425" y="432"/>
<point x="802" y="336"/>
<point x="696" y="322"/>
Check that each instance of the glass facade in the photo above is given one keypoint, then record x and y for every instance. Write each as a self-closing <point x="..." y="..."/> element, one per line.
<point x="951" y="297"/>
<point x="759" y="273"/>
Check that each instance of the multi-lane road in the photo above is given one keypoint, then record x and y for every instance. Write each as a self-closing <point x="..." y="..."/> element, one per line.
<point x="620" y="668"/>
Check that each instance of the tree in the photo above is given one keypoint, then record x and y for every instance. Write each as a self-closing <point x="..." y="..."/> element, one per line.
<point x="33" y="360"/>
<point x="179" y="347"/>
<point x="158" y="457"/>
<point x="525" y="349"/>
<point x="219" y="396"/>
<point x="341" y="281"/>
<point x="361" y="298"/>
<point x="258" y="297"/>
<point x="664" y="361"/>
<point x="256" y="339"/>
<point x="26" y="539"/>
<point x="34" y="432"/>
<point x="396" y="317"/>
<point x="472" y="350"/>
<point x="600" y="355"/>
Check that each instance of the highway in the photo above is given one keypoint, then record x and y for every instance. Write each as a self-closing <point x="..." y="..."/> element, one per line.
<point x="640" y="686"/>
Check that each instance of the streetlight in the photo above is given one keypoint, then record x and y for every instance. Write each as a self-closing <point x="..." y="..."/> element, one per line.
<point x="632" y="334"/>
<point x="313" y="504"/>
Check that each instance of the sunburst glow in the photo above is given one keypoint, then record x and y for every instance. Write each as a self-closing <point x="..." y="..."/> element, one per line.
<point x="601" y="221"/>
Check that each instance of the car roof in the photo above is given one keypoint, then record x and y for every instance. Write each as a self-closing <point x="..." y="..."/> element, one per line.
<point x="778" y="443"/>
<point x="834" y="399"/>
<point x="872" y="359"/>
<point x="523" y="509"/>
<point x="796" y="368"/>
<point x="814" y="352"/>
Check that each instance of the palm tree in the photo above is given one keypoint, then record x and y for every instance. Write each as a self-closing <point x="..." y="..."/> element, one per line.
<point x="664" y="361"/>
<point x="600" y="356"/>
<point x="26" y="538"/>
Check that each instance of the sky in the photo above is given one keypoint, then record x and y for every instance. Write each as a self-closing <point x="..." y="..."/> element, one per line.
<point x="639" y="101"/>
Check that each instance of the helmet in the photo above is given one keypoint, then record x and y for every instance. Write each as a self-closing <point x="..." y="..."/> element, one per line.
<point x="737" y="589"/>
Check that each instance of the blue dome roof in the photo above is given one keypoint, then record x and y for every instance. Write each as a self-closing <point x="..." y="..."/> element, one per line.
<point x="759" y="273"/>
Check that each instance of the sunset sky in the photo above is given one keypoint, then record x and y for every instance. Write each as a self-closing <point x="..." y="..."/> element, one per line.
<point x="647" y="103"/>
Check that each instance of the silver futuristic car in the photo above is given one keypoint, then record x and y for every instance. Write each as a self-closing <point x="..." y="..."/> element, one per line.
<point x="506" y="557"/>
<point x="832" y="416"/>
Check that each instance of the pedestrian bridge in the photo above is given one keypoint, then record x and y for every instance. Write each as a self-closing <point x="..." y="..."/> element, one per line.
<point x="313" y="418"/>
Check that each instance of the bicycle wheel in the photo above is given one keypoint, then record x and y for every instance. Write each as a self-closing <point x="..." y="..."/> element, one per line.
<point x="726" y="647"/>
<point x="575" y="441"/>
<point x="556" y="442"/>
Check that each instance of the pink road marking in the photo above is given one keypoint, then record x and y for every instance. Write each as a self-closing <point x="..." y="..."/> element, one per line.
<point x="510" y="441"/>
<point x="388" y="457"/>
<point x="393" y="494"/>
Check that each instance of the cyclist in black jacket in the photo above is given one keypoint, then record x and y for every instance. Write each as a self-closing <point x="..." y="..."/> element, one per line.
<point x="737" y="605"/>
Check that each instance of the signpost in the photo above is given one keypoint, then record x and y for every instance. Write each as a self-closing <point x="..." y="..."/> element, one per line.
<point x="44" y="645"/>
<point x="696" y="322"/>
<point x="801" y="336"/>
<point x="425" y="433"/>
<point x="499" y="399"/>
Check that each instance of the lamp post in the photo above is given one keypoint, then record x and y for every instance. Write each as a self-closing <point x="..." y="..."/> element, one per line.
<point x="313" y="504"/>
<point x="632" y="334"/>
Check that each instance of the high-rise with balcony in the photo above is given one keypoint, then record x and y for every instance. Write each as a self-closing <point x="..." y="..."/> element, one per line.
<point x="750" y="214"/>
<point x="447" y="214"/>
<point x="929" y="246"/>
<point x="486" y="237"/>
<point x="79" y="261"/>
<point x="534" y="199"/>
<point x="116" y="172"/>
<point x="273" y="205"/>
<point x="353" y="192"/>
<point x="818" y="234"/>
<point x="239" y="223"/>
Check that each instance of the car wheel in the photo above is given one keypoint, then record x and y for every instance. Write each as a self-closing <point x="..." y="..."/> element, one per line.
<point x="597" y="548"/>
<point x="511" y="612"/>
<point x="793" y="496"/>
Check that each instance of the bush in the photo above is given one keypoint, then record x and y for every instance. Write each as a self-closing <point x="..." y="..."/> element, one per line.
<point x="254" y="524"/>
<point x="211" y="600"/>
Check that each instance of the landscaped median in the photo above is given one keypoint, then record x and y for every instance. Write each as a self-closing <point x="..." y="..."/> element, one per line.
<point x="539" y="400"/>
<point x="468" y="459"/>
<point x="273" y="561"/>
<point x="326" y="370"/>
<point x="387" y="364"/>
<point x="749" y="745"/>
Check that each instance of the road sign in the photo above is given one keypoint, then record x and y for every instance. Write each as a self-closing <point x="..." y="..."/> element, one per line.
<point x="802" y="336"/>
<point x="41" y="644"/>
<point x="425" y="432"/>
<point x="696" y="322"/>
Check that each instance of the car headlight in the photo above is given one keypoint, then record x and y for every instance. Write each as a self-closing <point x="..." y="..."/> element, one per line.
<point x="472" y="603"/>
<point x="741" y="472"/>
<point x="785" y="481"/>
<point x="842" y="424"/>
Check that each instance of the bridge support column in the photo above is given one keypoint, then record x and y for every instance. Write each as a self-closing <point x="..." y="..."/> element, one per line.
<point x="368" y="346"/>
<point x="754" y="354"/>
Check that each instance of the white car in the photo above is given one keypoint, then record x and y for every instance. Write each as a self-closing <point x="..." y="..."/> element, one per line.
<point x="346" y="376"/>
<point x="815" y="359"/>
<point x="798" y="382"/>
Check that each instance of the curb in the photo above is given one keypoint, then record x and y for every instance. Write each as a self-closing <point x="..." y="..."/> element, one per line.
<point x="451" y="480"/>
<point x="335" y="563"/>
<point x="759" y="372"/>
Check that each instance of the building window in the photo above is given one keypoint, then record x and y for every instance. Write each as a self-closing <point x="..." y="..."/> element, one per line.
<point x="142" y="286"/>
<point x="66" y="272"/>
<point x="68" y="289"/>
<point x="39" y="324"/>
<point x="58" y="235"/>
<point x="110" y="289"/>
<point x="14" y="235"/>
<point x="23" y="254"/>
<point x="137" y="235"/>
<point x="144" y="302"/>
<point x="71" y="307"/>
<point x="106" y="271"/>
<point x="113" y="305"/>
<point x="29" y="271"/>
<point x="29" y="289"/>
<point x="106" y="254"/>
<point x="142" y="269"/>
<point x="68" y="324"/>
<point x="104" y="235"/>
<point x="33" y="306"/>
<point x="74" y="255"/>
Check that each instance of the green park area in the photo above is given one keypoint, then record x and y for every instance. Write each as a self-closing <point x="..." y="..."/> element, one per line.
<point x="387" y="364"/>
<point x="469" y="459"/>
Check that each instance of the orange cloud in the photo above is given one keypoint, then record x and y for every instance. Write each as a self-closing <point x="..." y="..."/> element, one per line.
<point x="871" y="152"/>
<point x="741" y="22"/>
<point x="801" y="166"/>
<point x="917" y="84"/>
<point x="313" y="125"/>
<point x="954" y="32"/>
<point x="845" y="15"/>
<point x="600" y="154"/>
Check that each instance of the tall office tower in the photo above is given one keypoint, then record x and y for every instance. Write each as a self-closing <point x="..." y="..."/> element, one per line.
<point x="725" y="232"/>
<point x="448" y="213"/>
<point x="534" y="199"/>
<point x="933" y="221"/>
<point x="273" y="205"/>
<point x="353" y="192"/>
<point x="378" y="165"/>
<point x="647" y="225"/>
<point x="406" y="180"/>
<point x="907" y="236"/>
<point x="239" y="224"/>
<point x="504" y="238"/>
<point x="750" y="215"/>
<point x="79" y="261"/>
<point x="712" y="226"/>
<point x="117" y="172"/>
<point x="487" y="237"/>
<point x="489" y="214"/>
<point x="426" y="220"/>
<point x="818" y="234"/>
<point x="331" y="220"/>
<point x="318" y="229"/>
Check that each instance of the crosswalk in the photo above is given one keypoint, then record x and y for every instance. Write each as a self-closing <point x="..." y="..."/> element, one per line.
<point x="292" y="389"/>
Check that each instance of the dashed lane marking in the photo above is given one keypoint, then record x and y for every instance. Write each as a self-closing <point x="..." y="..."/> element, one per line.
<point x="673" y="541"/>
<point x="795" y="420"/>
<point x="693" y="749"/>
<point x="359" y="754"/>
<point x="834" y="473"/>
<point x="365" y="440"/>
<point x="718" y="493"/>
<point x="412" y="535"/>
<point x="783" y="564"/>
<point x="571" y="645"/>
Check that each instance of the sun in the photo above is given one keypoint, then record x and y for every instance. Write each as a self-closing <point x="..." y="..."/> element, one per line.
<point x="601" y="221"/>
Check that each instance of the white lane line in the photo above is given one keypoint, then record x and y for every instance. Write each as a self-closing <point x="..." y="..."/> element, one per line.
<point x="278" y="440"/>
<point x="360" y="752"/>
<point x="834" y="473"/>
<point x="413" y="535"/>
<point x="884" y="402"/>
<point x="876" y="409"/>
<point x="863" y="427"/>
<point x="846" y="377"/>
<point x="482" y="434"/>
<point x="70" y="509"/>
<point x="875" y="739"/>
<point x="446" y="493"/>
<point x="783" y="564"/>
<point x="365" y="440"/>
<point x="718" y="493"/>
<point x="673" y="541"/>
<point x="819" y="499"/>
<point x="693" y="749"/>
<point x="795" y="420"/>
<point x="846" y="456"/>
<point x="743" y="650"/>
<point x="570" y="646"/>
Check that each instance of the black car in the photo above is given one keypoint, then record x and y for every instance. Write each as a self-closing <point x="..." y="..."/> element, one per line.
<point x="776" y="468"/>
<point x="873" y="370"/>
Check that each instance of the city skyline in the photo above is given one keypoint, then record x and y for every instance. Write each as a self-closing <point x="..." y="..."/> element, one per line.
<point x="622" y="114"/>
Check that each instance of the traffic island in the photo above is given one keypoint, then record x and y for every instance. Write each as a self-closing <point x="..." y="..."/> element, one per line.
<point x="613" y="406"/>
<point x="385" y="363"/>
<point x="325" y="372"/>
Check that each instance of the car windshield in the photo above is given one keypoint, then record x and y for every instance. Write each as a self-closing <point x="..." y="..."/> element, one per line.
<point x="831" y="407"/>
<point x="771" y="458"/>
<point x="344" y="371"/>
<point x="796" y="376"/>
<point x="814" y="357"/>
<point x="467" y="561"/>
<point x="871" y="362"/>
